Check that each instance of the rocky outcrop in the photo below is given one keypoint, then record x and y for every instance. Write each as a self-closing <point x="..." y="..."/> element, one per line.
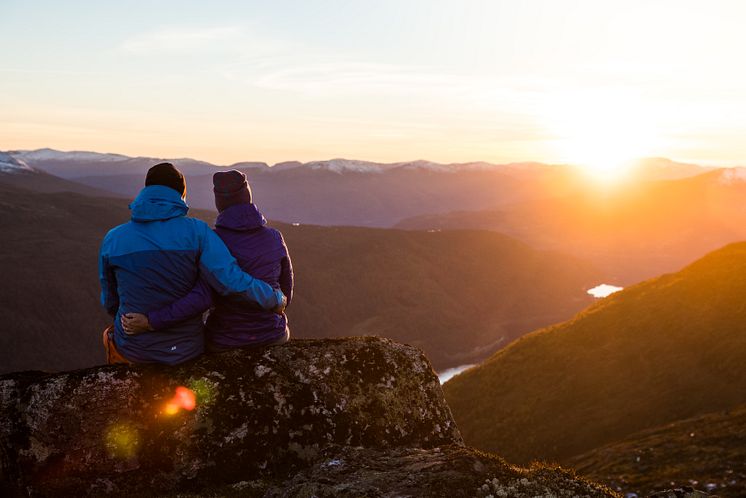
<point x="687" y="492"/>
<point x="445" y="472"/>
<point x="344" y="417"/>
<point x="223" y="418"/>
<point x="441" y="472"/>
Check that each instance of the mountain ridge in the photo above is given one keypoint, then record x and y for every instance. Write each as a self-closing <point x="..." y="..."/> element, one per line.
<point x="340" y="164"/>
<point x="662" y="350"/>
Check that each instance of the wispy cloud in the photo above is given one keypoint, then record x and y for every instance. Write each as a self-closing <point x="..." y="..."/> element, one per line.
<point x="326" y="76"/>
<point x="229" y="40"/>
<point x="345" y="76"/>
<point x="248" y="56"/>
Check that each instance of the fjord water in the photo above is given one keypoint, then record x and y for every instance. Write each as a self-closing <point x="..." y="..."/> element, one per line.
<point x="604" y="290"/>
<point x="449" y="373"/>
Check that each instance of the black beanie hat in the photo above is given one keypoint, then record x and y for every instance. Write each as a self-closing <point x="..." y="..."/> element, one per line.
<point x="167" y="175"/>
<point x="230" y="188"/>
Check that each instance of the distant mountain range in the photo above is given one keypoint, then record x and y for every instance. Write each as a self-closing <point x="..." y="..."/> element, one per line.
<point x="334" y="192"/>
<point x="14" y="171"/>
<point x="667" y="349"/>
<point x="343" y="191"/>
<point x="458" y="295"/>
<point x="86" y="163"/>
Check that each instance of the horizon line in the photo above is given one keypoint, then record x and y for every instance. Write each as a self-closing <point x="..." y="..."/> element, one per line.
<point x="386" y="163"/>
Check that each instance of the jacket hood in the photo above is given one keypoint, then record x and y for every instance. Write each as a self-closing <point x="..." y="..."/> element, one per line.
<point x="156" y="203"/>
<point x="241" y="217"/>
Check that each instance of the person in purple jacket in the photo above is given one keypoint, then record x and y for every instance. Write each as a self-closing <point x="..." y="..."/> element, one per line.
<point x="259" y="250"/>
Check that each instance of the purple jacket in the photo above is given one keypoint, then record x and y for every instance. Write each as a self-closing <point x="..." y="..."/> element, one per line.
<point x="261" y="252"/>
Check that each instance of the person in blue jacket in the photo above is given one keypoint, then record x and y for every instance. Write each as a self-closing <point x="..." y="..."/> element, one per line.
<point x="158" y="257"/>
<point x="260" y="250"/>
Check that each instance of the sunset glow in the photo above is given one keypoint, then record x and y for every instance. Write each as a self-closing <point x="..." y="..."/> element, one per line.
<point x="601" y="132"/>
<point x="594" y="83"/>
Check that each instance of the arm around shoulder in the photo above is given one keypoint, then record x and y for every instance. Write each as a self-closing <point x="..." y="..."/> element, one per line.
<point x="220" y="269"/>
<point x="195" y="303"/>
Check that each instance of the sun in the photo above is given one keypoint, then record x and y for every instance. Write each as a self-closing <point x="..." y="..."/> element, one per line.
<point x="602" y="133"/>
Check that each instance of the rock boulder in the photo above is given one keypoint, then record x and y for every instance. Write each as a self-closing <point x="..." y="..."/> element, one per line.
<point x="222" y="418"/>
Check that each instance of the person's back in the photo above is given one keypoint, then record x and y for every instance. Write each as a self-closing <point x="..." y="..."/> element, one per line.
<point x="157" y="258"/>
<point x="260" y="251"/>
<point x="153" y="261"/>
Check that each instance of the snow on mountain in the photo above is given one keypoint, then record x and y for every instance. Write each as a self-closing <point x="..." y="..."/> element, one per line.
<point x="74" y="155"/>
<point x="249" y="165"/>
<point x="284" y="166"/>
<point x="347" y="165"/>
<point x="427" y="165"/>
<point x="10" y="164"/>
<point x="351" y="165"/>
<point x="471" y="166"/>
<point x="733" y="175"/>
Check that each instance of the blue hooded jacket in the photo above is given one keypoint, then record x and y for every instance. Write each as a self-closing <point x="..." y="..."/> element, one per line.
<point x="260" y="250"/>
<point x="157" y="258"/>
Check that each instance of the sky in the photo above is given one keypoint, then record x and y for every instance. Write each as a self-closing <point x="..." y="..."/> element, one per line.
<point x="384" y="80"/>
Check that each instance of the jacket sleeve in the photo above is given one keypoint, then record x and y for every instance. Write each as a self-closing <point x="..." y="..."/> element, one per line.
<point x="222" y="273"/>
<point x="109" y="295"/>
<point x="286" y="274"/>
<point x="195" y="303"/>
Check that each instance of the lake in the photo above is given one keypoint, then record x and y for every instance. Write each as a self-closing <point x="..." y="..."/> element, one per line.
<point x="449" y="373"/>
<point x="603" y="290"/>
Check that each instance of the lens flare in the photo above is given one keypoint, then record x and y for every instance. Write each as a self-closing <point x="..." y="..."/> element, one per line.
<point x="183" y="399"/>
<point x="122" y="440"/>
<point x="171" y="409"/>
